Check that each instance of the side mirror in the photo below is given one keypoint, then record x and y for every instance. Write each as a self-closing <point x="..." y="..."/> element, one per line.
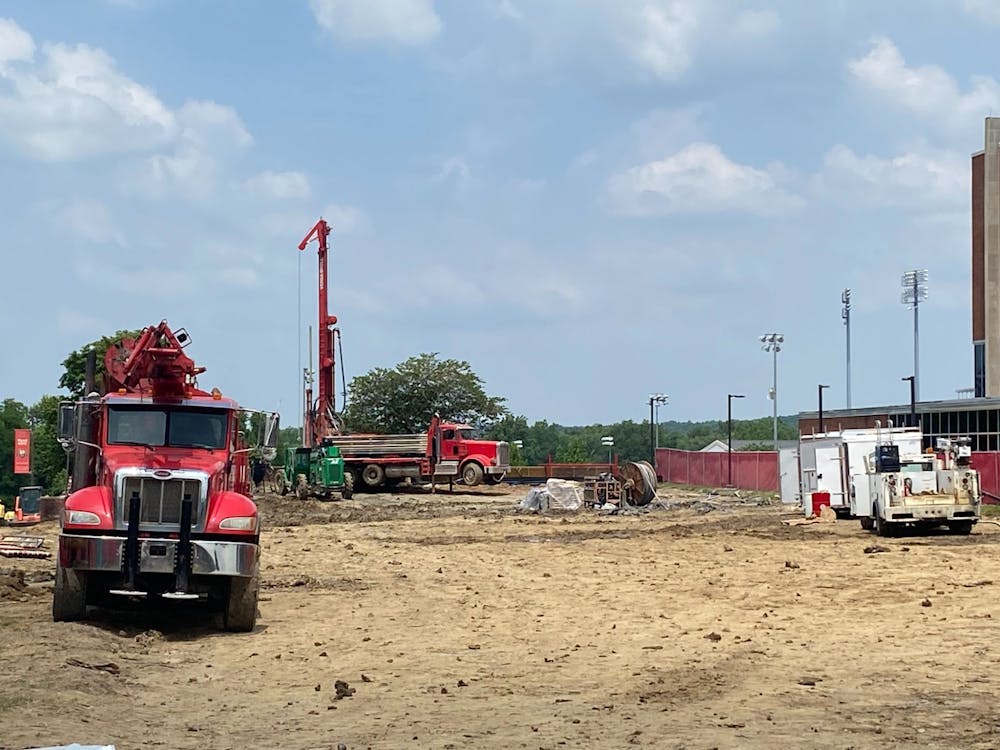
<point x="67" y="423"/>
<point x="271" y="427"/>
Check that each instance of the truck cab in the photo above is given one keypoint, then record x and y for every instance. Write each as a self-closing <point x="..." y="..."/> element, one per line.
<point x="478" y="460"/>
<point x="163" y="509"/>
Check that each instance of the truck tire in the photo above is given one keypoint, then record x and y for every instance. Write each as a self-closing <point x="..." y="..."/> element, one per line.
<point x="867" y="522"/>
<point x="878" y="523"/>
<point x="348" y="492"/>
<point x="69" y="596"/>
<point x="962" y="528"/>
<point x="472" y="474"/>
<point x="240" y="615"/>
<point x="373" y="476"/>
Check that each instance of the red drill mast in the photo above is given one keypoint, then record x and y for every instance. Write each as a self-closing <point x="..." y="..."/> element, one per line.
<point x="321" y="417"/>
<point x="152" y="364"/>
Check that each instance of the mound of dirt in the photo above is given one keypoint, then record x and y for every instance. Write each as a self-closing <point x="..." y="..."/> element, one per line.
<point x="14" y="587"/>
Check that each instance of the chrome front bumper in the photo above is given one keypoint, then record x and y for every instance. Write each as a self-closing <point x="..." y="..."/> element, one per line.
<point x="496" y="469"/>
<point x="104" y="553"/>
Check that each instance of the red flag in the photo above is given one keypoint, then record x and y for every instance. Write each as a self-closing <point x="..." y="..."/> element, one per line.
<point x="22" y="451"/>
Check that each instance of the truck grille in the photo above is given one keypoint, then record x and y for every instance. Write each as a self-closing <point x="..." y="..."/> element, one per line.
<point x="503" y="454"/>
<point x="160" y="499"/>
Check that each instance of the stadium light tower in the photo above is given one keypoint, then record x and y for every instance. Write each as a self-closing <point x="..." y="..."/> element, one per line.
<point x="655" y="400"/>
<point x="914" y="292"/>
<point x="771" y="342"/>
<point x="845" y="313"/>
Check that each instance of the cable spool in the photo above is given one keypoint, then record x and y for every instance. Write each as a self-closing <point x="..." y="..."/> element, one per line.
<point x="640" y="483"/>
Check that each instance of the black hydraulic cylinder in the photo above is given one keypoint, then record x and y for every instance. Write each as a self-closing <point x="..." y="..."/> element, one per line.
<point x="182" y="567"/>
<point x="130" y="564"/>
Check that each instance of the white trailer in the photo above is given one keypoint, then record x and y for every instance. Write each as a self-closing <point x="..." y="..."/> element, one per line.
<point x="831" y="463"/>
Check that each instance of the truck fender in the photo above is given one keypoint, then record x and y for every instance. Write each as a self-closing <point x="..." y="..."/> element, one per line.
<point x="97" y="500"/>
<point x="228" y="504"/>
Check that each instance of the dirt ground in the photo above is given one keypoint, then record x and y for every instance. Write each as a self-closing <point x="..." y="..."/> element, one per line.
<point x="459" y="622"/>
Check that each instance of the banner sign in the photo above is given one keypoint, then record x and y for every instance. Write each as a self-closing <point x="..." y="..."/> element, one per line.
<point x="22" y="451"/>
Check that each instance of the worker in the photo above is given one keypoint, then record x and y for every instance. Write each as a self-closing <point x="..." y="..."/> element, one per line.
<point x="258" y="470"/>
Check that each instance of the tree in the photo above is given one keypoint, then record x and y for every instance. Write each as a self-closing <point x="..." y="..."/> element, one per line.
<point x="75" y="364"/>
<point x="405" y="398"/>
<point x="13" y="416"/>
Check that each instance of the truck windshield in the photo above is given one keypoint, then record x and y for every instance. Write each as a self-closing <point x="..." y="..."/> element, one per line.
<point x="465" y="433"/>
<point x="178" y="428"/>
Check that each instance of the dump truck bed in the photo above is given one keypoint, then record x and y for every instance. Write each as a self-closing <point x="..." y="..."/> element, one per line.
<point x="374" y="446"/>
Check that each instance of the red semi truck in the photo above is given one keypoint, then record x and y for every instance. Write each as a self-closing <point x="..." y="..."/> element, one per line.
<point x="446" y="452"/>
<point x="162" y="506"/>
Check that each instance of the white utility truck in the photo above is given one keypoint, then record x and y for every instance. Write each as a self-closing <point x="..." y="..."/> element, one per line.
<point x="902" y="488"/>
<point x="829" y="462"/>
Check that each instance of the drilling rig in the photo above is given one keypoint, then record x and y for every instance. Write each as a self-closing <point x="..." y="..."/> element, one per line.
<point x="321" y="419"/>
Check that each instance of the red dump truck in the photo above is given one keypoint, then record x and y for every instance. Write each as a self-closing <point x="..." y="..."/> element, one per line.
<point x="446" y="452"/>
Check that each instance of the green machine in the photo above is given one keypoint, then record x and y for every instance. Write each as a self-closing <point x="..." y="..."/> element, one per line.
<point x="317" y="472"/>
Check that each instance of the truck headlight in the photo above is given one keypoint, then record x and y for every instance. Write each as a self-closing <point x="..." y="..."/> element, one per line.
<point x="82" y="517"/>
<point x="239" y="523"/>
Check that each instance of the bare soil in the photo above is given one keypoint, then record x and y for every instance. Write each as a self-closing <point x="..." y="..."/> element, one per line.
<point x="455" y="621"/>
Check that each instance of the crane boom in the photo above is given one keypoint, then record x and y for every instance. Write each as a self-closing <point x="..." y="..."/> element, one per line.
<point x="154" y="363"/>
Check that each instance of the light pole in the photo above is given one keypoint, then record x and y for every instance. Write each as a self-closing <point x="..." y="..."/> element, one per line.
<point x="608" y="441"/>
<point x="654" y="401"/>
<point x="729" y="430"/>
<point x="914" y="292"/>
<point x="819" y="389"/>
<point x="913" y="399"/>
<point x="845" y="313"/>
<point x="771" y="342"/>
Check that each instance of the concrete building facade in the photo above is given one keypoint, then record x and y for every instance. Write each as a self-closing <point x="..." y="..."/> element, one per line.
<point x="986" y="262"/>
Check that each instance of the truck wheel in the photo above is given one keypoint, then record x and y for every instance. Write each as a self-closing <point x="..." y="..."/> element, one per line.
<point x="373" y="475"/>
<point x="867" y="523"/>
<point x="963" y="528"/>
<point x="495" y="478"/>
<point x="348" y="492"/>
<point x="69" y="597"/>
<point x="878" y="523"/>
<point x="302" y="489"/>
<point x="241" y="606"/>
<point x="472" y="474"/>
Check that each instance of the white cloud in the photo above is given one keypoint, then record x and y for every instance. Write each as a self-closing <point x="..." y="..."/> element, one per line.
<point x="279" y="185"/>
<point x="928" y="91"/>
<point x="74" y="103"/>
<point x="345" y="219"/>
<point x="410" y="22"/>
<point x="700" y="178"/>
<point x="658" y="35"/>
<point x="208" y="133"/>
<point x="930" y="180"/>
<point x="983" y="10"/>
<point x="15" y="42"/>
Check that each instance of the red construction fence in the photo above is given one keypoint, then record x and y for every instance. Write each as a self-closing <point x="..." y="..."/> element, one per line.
<point x="752" y="470"/>
<point x="758" y="470"/>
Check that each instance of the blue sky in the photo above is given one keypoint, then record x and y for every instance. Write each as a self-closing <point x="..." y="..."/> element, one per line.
<point x="588" y="200"/>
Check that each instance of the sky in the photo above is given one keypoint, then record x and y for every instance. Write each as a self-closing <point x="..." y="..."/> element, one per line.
<point x="588" y="200"/>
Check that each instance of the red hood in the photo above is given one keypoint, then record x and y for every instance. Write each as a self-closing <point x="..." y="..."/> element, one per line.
<point x="126" y="456"/>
